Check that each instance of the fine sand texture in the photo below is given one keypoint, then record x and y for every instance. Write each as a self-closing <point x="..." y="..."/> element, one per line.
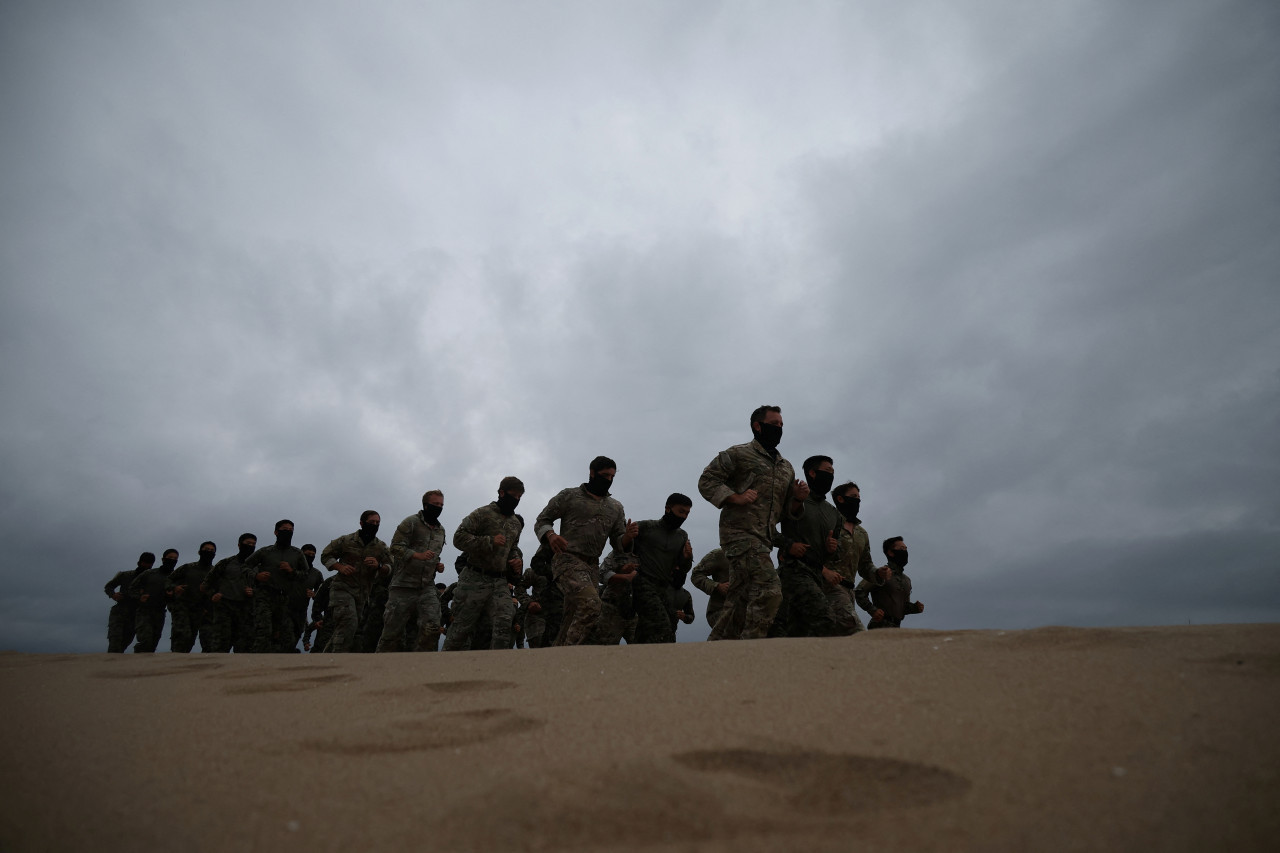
<point x="1049" y="739"/>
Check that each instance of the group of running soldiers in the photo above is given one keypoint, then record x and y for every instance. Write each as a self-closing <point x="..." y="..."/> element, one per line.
<point x="386" y="599"/>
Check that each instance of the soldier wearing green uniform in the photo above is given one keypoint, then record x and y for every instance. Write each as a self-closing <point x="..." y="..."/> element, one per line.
<point x="618" y="616"/>
<point x="415" y="557"/>
<point x="887" y="595"/>
<point x="301" y="594"/>
<point x="274" y="570"/>
<point x="547" y="605"/>
<point x="679" y="607"/>
<point x="489" y="538"/>
<point x="358" y="558"/>
<point x="853" y="559"/>
<point x="231" y="590"/>
<point x="588" y="519"/>
<point x="754" y="488"/>
<point x="662" y="550"/>
<point x="122" y="620"/>
<point x="320" y="623"/>
<point x="149" y="590"/>
<point x="186" y="602"/>
<point x="712" y="576"/>
<point x="808" y="548"/>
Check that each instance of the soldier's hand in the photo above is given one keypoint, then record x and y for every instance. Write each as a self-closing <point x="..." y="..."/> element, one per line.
<point x="118" y="596"/>
<point x="306" y="647"/>
<point x="883" y="573"/>
<point x="180" y="590"/>
<point x="285" y="567"/>
<point x="832" y="545"/>
<point x="878" y="615"/>
<point x="557" y="543"/>
<point x="831" y="577"/>
<point x="516" y="564"/>
<point x="499" y="540"/>
<point x="535" y="608"/>
<point x="248" y="590"/>
<point x="371" y="562"/>
<point x="344" y="569"/>
<point x="262" y="576"/>
<point x="797" y="549"/>
<point x="802" y="490"/>
<point x="633" y="530"/>
<point x="144" y="598"/>
<point x="723" y="588"/>
<point x="424" y="555"/>
<point x="919" y="605"/>
<point x="687" y="553"/>
<point x="747" y="497"/>
<point x="680" y="615"/>
<point x="311" y="593"/>
<point x="439" y="568"/>
<point x="217" y="596"/>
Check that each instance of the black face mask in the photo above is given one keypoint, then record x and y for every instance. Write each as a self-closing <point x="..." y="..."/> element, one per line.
<point x="206" y="557"/>
<point x="311" y="558"/>
<point x="167" y="564"/>
<point x="898" y="558"/>
<point x="245" y="551"/>
<point x="849" y="508"/>
<point x="430" y="512"/>
<point x="672" y="520"/>
<point x="770" y="435"/>
<point x="507" y="503"/>
<point x="368" y="530"/>
<point x="284" y="537"/>
<point x="820" y="483"/>
<point x="598" y="485"/>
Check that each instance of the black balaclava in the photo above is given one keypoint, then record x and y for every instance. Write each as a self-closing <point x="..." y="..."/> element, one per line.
<point x="431" y="512"/>
<point x="244" y="549"/>
<point x="507" y="503"/>
<point x="284" y="538"/>
<point x="206" y="556"/>
<point x="770" y="435"/>
<point x="598" y="485"/>
<point x="898" y="558"/>
<point x="849" y="507"/>
<point x="167" y="563"/>
<point x="310" y="558"/>
<point x="670" y="519"/>
<point x="820" y="482"/>
<point x="368" y="530"/>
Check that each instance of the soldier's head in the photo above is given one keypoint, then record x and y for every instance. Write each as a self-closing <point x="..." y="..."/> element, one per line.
<point x="819" y="473"/>
<point x="309" y="551"/>
<point x="284" y="531"/>
<point x="848" y="500"/>
<point x="369" y="521"/>
<point x="432" y="504"/>
<point x="146" y="560"/>
<point x="169" y="558"/>
<point x="510" y="491"/>
<point x="246" y="544"/>
<point x="677" y="509"/>
<point x="766" y="424"/>
<point x="895" y="548"/>
<point x="601" y="473"/>
<point x="207" y="552"/>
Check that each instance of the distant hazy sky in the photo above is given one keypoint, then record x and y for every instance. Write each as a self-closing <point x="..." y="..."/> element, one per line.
<point x="1014" y="265"/>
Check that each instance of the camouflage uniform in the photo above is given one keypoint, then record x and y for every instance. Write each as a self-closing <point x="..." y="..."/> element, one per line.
<point x="320" y="622"/>
<point x="808" y="614"/>
<point x="618" y="617"/>
<point x="853" y="560"/>
<point x="298" y="600"/>
<point x="375" y="606"/>
<point x="149" y="622"/>
<point x="712" y="570"/>
<point x="749" y="532"/>
<point x="893" y="596"/>
<point x="678" y="600"/>
<point x="413" y="586"/>
<point x="659" y="549"/>
<point x="543" y="627"/>
<point x="185" y="610"/>
<point x="586" y="523"/>
<point x="271" y="625"/>
<point x="482" y="584"/>
<point x="348" y="593"/>
<point x="124" y="613"/>
<point x="232" y="618"/>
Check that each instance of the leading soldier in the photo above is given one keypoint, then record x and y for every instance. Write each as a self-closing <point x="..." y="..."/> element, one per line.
<point x="274" y="569"/>
<point x="415" y="557"/>
<point x="490" y="539"/>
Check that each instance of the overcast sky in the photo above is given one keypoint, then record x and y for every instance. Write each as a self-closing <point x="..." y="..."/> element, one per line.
<point x="1014" y="265"/>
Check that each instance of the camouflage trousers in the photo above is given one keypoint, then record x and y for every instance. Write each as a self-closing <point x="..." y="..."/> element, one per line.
<point x="754" y="594"/>
<point x="344" y="613"/>
<point x="808" y="614"/>
<point x="149" y="625"/>
<point x="578" y="581"/>
<point x="535" y="628"/>
<point x="843" y="611"/>
<point x="654" y="625"/>
<point x="618" y="619"/>
<point x="121" y="622"/>
<point x="371" y="619"/>
<point x="230" y="626"/>
<point x="271" y="623"/>
<point x="403" y="604"/>
<point x="184" y="624"/>
<point x="477" y="596"/>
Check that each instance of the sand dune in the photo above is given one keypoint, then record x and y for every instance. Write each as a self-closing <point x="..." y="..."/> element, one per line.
<point x="1057" y="738"/>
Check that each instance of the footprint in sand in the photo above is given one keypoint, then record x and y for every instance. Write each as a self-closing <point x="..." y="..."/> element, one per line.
<point x="291" y="686"/>
<point x="445" y="687"/>
<point x="438" y="731"/>
<point x="824" y="783"/>
<point x="167" y="670"/>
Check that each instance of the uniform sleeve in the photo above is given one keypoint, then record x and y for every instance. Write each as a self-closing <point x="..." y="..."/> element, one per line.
<point x="329" y="556"/>
<point x="212" y="580"/>
<point x="702" y="574"/>
<point x="866" y="568"/>
<point x="400" y="540"/>
<point x="683" y="563"/>
<point x="545" y="522"/>
<point x="469" y="536"/>
<point x="862" y="595"/>
<point x="111" y="586"/>
<point x="618" y="530"/>
<point x="714" y="482"/>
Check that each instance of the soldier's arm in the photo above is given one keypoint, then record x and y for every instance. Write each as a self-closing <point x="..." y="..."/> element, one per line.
<point x="112" y="585"/>
<point x="702" y="574"/>
<point x="714" y="482"/>
<point x="214" y="575"/>
<point x="862" y="595"/>
<point x="470" y="536"/>
<point x="866" y="568"/>
<point x="546" y="520"/>
<point x="684" y="563"/>
<point x="331" y="555"/>
<point x="400" y="540"/>
<point x="618" y="530"/>
<point x="135" y="588"/>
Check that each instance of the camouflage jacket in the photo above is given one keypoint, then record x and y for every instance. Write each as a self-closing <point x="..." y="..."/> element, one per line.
<point x="819" y="520"/>
<point x="586" y="521"/>
<point x="189" y="575"/>
<point x="893" y="596"/>
<point x="474" y="537"/>
<point x="414" y="535"/>
<point x="853" y="557"/>
<point x="150" y="583"/>
<point x="268" y="559"/>
<point x="750" y="466"/>
<point x="229" y="577"/>
<point x="121" y="582"/>
<point x="660" y="550"/>
<point x="351" y="550"/>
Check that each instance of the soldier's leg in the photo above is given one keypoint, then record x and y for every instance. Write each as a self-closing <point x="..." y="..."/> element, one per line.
<point x="581" y="601"/>
<point x="608" y="628"/>
<point x="371" y="626"/>
<point x="244" y="626"/>
<point x="502" y="611"/>
<point x="843" y="610"/>
<point x="764" y="594"/>
<point x="282" y="638"/>
<point x="262" y="622"/>
<point x="120" y="627"/>
<point x="535" y="626"/>
<point x="733" y="614"/>
<point x="428" y="635"/>
<point x="205" y="631"/>
<point x="400" y="603"/>
<point x="221" y="628"/>
<point x="808" y="614"/>
<point x="149" y="625"/>
<point x="182" y="635"/>
<point x="344" y="610"/>
<point x="470" y="597"/>
<point x="653" y="624"/>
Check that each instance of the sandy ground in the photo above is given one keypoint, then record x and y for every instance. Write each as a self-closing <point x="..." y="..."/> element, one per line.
<point x="1057" y="738"/>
